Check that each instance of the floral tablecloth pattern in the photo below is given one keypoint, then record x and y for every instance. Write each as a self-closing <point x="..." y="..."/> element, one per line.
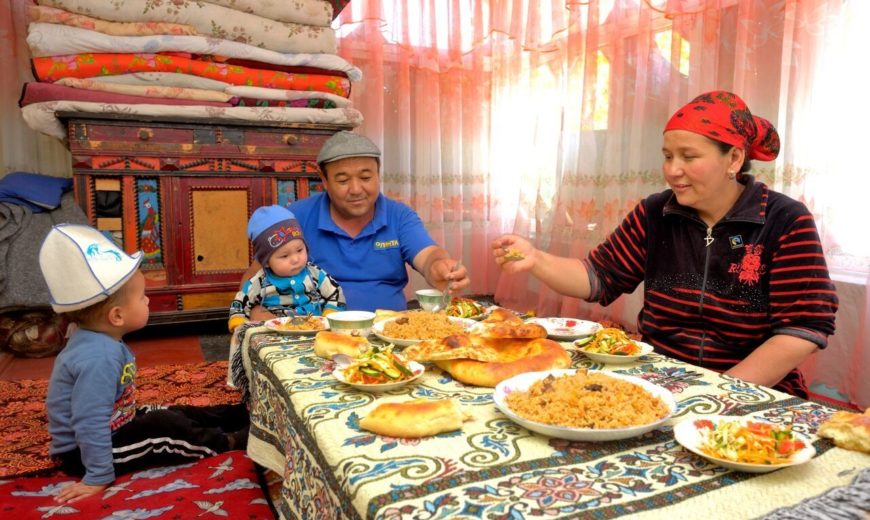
<point x="305" y="426"/>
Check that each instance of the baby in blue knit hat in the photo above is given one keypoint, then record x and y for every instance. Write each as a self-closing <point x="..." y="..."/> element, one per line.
<point x="287" y="284"/>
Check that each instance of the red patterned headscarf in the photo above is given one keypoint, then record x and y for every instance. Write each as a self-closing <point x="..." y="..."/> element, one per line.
<point x="723" y="116"/>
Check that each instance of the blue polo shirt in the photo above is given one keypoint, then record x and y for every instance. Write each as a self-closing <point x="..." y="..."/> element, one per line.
<point x="370" y="267"/>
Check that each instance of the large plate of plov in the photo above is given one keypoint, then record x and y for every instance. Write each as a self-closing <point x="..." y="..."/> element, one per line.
<point x="378" y="330"/>
<point x="523" y="381"/>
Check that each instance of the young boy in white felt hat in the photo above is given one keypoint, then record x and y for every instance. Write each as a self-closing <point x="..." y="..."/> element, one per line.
<point x="97" y="431"/>
<point x="287" y="284"/>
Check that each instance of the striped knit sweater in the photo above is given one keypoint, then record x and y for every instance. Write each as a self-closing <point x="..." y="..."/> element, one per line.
<point x="763" y="274"/>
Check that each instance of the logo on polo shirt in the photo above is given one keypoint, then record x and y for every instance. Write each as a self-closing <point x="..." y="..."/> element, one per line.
<point x="386" y="244"/>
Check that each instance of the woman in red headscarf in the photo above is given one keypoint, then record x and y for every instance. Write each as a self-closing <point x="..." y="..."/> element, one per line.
<point x="734" y="275"/>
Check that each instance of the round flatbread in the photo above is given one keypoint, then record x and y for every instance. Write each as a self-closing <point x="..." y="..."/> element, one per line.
<point x="850" y="431"/>
<point x="500" y="314"/>
<point x="460" y="346"/>
<point x="515" y="356"/>
<point x="508" y="330"/>
<point x="414" y="419"/>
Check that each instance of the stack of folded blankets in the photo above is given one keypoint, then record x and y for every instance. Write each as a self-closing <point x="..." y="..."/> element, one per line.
<point x="253" y="60"/>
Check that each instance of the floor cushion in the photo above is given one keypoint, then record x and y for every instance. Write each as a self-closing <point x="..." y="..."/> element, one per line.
<point x="224" y="486"/>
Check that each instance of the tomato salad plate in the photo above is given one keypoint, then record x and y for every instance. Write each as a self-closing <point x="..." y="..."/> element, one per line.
<point x="466" y="308"/>
<point x="378" y="370"/>
<point x="744" y="444"/>
<point x="300" y="326"/>
<point x="567" y="329"/>
<point x="614" y="359"/>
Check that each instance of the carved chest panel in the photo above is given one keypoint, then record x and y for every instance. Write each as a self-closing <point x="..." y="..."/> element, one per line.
<point x="181" y="191"/>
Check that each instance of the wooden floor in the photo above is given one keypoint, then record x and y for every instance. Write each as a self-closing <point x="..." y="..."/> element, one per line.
<point x="156" y="345"/>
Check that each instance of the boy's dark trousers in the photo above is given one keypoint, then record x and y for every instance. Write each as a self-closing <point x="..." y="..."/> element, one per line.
<point x="167" y="436"/>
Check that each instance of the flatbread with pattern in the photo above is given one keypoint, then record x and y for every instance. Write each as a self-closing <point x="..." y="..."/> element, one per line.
<point x="459" y="346"/>
<point x="515" y="356"/>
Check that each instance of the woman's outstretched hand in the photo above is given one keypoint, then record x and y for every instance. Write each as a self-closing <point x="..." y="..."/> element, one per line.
<point x="513" y="253"/>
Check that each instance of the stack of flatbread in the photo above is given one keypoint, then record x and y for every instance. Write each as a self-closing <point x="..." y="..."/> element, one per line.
<point x="495" y="349"/>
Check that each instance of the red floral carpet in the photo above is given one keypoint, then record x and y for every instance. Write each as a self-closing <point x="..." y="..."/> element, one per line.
<point x="225" y="485"/>
<point x="23" y="425"/>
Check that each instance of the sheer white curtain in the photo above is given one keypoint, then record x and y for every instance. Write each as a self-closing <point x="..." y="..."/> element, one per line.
<point x="544" y="117"/>
<point x="825" y="115"/>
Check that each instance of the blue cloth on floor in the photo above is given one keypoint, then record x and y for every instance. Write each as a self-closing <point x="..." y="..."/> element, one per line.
<point x="32" y="190"/>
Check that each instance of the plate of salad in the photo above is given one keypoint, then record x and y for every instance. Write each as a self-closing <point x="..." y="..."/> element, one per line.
<point x="378" y="370"/>
<point x="612" y="346"/>
<point x="744" y="444"/>
<point x="466" y="308"/>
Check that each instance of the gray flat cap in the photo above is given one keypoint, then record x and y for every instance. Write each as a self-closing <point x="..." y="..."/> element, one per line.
<point x="346" y="144"/>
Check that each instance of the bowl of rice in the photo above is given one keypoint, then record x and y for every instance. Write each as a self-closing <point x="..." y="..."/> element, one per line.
<point x="583" y="405"/>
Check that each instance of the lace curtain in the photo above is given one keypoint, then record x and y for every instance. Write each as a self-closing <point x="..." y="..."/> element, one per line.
<point x="544" y="118"/>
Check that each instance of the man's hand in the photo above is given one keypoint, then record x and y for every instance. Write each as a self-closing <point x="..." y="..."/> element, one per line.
<point x="448" y="273"/>
<point x="77" y="491"/>
<point x="436" y="266"/>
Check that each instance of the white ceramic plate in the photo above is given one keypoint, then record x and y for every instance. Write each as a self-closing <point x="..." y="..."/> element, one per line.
<point x="378" y="330"/>
<point x="275" y="324"/>
<point x="415" y="367"/>
<point x="645" y="348"/>
<point x="566" y="329"/>
<point x="688" y="434"/>
<point x="524" y="381"/>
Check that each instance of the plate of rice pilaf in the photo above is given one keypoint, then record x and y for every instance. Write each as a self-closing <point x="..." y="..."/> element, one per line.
<point x="415" y="326"/>
<point x="303" y="326"/>
<point x="581" y="405"/>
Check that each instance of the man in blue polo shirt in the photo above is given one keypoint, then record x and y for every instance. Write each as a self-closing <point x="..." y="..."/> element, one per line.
<point x="363" y="239"/>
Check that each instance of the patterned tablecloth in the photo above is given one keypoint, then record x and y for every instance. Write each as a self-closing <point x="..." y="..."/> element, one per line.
<point x="305" y="426"/>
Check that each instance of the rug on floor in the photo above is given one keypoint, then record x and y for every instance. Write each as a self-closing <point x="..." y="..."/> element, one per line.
<point x="23" y="424"/>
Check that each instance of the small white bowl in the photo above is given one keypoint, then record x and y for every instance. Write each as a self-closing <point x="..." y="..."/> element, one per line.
<point x="352" y="323"/>
<point x="429" y="298"/>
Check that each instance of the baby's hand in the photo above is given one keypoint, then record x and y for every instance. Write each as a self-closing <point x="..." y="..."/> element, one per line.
<point x="77" y="491"/>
